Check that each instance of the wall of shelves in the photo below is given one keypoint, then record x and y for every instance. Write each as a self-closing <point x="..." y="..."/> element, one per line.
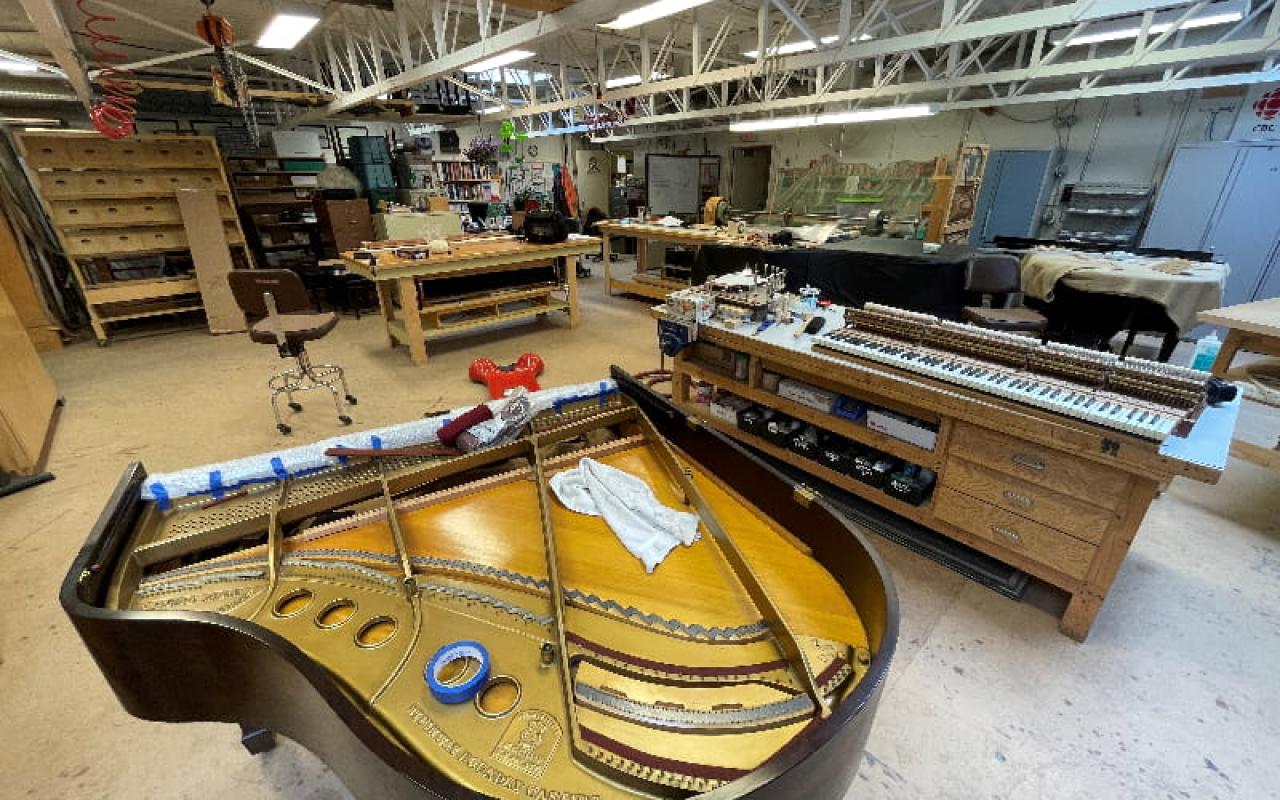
<point x="114" y="207"/>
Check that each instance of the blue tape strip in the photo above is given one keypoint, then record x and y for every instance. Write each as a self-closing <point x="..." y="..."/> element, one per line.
<point x="277" y="466"/>
<point x="375" y="442"/>
<point x="458" y="691"/>
<point x="604" y="393"/>
<point x="215" y="485"/>
<point x="161" y="495"/>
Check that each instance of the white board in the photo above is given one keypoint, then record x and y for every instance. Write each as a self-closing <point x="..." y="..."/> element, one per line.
<point x="672" y="183"/>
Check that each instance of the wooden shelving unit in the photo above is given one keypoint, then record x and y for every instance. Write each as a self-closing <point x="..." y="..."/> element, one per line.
<point x="277" y="210"/>
<point x="464" y="182"/>
<point x="114" y="207"/>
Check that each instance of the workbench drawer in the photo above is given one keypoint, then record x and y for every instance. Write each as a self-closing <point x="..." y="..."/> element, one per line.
<point x="1100" y="485"/>
<point x="1040" y="543"/>
<point x="1057" y="510"/>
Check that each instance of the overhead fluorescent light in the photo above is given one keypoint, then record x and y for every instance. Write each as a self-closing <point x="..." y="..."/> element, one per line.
<point x="772" y="124"/>
<point x="876" y="114"/>
<point x="1130" y="27"/>
<point x="834" y="118"/>
<point x="801" y="47"/>
<point x="500" y="60"/>
<point x="658" y="10"/>
<point x="14" y="66"/>
<point x="37" y="121"/>
<point x="286" y="30"/>
<point x="632" y="80"/>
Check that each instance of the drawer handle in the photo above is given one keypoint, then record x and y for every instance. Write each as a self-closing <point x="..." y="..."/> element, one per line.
<point x="1028" y="461"/>
<point x="1006" y="533"/>
<point x="1020" y="499"/>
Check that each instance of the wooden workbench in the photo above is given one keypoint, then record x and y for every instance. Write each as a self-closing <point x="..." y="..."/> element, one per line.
<point x="1056" y="497"/>
<point x="1254" y="328"/>
<point x="421" y="320"/>
<point x="655" y="283"/>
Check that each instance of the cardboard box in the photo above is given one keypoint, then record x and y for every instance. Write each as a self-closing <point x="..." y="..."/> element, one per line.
<point x="807" y="395"/>
<point x="900" y="426"/>
<point x="725" y="407"/>
<point x="297" y="144"/>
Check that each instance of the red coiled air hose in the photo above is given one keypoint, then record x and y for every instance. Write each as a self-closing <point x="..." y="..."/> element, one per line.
<point x="114" y="114"/>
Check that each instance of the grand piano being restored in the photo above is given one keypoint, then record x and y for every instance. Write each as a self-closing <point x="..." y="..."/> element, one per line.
<point x="439" y="625"/>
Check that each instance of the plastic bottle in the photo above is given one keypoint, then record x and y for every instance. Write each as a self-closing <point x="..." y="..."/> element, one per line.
<point x="1206" y="352"/>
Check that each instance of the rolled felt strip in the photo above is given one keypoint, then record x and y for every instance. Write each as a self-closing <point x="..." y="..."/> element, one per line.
<point x="450" y="432"/>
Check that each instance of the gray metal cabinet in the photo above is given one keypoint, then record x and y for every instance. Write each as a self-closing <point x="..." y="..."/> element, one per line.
<point x="1223" y="198"/>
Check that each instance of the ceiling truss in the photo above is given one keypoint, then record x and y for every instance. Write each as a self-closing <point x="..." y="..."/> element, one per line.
<point x="739" y="58"/>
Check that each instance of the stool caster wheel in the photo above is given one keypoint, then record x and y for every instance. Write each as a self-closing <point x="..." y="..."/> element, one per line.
<point x="295" y="406"/>
<point x="284" y="429"/>
<point x="351" y="400"/>
<point x="344" y="419"/>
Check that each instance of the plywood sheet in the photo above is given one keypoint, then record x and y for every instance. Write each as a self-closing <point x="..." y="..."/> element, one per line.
<point x="15" y="280"/>
<point x="202" y="220"/>
<point x="27" y="395"/>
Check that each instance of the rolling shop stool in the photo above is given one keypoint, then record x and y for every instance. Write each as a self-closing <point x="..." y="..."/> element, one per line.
<point x="276" y="306"/>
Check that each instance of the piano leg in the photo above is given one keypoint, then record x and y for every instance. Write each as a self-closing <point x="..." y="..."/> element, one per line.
<point x="257" y="740"/>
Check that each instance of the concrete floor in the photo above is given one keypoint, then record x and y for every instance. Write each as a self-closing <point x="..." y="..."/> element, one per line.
<point x="1174" y="695"/>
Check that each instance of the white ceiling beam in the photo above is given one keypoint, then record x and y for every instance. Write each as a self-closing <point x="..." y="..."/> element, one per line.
<point x="1117" y="90"/>
<point x="57" y="40"/>
<point x="544" y="26"/>
<point x="1077" y="13"/>
<point x="165" y="59"/>
<point x="1200" y="54"/>
<point x="795" y="19"/>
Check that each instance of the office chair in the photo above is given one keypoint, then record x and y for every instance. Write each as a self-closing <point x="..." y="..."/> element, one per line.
<point x="279" y="312"/>
<point x="998" y="275"/>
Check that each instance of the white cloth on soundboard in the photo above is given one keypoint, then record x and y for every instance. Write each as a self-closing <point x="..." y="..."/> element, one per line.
<point x="648" y="529"/>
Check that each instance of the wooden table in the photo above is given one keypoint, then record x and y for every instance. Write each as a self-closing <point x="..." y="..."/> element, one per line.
<point x="1054" y="496"/>
<point x="1255" y="328"/>
<point x="393" y="275"/>
<point x="649" y="283"/>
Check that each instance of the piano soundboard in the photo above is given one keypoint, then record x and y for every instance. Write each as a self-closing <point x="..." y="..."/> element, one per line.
<point x="1144" y="398"/>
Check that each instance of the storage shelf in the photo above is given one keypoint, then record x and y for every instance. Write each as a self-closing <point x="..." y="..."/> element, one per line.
<point x="156" y="312"/>
<point x="276" y="172"/>
<point x="142" y="195"/>
<point x="846" y="428"/>
<point x="147" y="251"/>
<point x="85" y="226"/>
<point x="920" y="513"/>
<point x="1102" y="212"/>
<point x="282" y="188"/>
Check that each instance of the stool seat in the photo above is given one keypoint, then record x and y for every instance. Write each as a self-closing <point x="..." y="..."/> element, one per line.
<point x="1017" y="320"/>
<point x="297" y="328"/>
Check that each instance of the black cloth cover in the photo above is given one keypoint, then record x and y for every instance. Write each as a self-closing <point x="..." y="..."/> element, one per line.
<point x="894" y="272"/>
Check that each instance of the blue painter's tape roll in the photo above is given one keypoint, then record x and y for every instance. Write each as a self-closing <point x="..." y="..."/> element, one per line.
<point x="469" y="685"/>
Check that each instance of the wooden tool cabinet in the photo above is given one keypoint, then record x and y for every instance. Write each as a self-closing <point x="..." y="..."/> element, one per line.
<point x="114" y="199"/>
<point x="1056" y="497"/>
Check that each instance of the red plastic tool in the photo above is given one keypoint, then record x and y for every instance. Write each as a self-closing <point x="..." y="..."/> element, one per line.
<point x="524" y="372"/>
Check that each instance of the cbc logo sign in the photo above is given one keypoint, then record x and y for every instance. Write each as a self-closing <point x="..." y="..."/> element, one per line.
<point x="1267" y="108"/>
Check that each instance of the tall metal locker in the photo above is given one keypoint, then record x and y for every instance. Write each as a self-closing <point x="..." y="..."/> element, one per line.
<point x="1222" y="198"/>
<point x="1192" y="188"/>
<point x="1014" y="190"/>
